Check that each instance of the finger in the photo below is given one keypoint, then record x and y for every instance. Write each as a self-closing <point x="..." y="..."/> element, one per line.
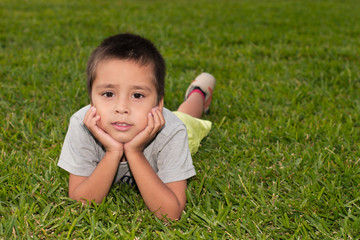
<point x="89" y="116"/>
<point x="158" y="118"/>
<point x="162" y="119"/>
<point x="151" y="123"/>
<point x="91" y="121"/>
<point x="95" y="120"/>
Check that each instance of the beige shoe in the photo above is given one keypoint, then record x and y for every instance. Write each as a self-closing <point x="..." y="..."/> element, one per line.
<point x="205" y="82"/>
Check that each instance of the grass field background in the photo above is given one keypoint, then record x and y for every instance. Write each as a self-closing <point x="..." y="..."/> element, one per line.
<point x="282" y="160"/>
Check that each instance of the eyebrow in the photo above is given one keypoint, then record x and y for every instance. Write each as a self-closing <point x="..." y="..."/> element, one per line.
<point x="106" y="86"/>
<point x="135" y="87"/>
<point x="145" y="88"/>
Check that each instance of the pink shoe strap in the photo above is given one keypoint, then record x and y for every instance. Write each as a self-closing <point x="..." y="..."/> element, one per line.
<point x="198" y="91"/>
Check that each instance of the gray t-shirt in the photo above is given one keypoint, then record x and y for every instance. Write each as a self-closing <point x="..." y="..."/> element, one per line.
<point x="168" y="153"/>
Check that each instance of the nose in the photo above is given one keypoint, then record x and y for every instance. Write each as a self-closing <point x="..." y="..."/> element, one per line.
<point x="122" y="107"/>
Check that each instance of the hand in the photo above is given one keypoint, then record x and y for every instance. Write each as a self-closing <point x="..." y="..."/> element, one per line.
<point x="91" y="122"/>
<point x="155" y="122"/>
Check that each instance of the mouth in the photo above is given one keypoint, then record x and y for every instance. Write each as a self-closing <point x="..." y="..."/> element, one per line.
<point x="120" y="126"/>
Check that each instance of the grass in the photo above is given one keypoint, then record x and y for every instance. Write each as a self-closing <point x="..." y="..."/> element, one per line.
<point x="281" y="162"/>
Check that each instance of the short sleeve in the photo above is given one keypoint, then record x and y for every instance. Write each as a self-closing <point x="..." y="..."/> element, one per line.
<point x="174" y="159"/>
<point x="79" y="154"/>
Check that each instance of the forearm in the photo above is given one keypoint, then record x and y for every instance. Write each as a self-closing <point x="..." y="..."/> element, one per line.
<point x="157" y="196"/>
<point x="97" y="185"/>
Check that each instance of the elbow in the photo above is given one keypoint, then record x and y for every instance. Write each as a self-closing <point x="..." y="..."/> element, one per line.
<point x="175" y="217"/>
<point x="75" y="197"/>
<point x="171" y="211"/>
<point x="174" y="214"/>
<point x="171" y="217"/>
<point x="84" y="200"/>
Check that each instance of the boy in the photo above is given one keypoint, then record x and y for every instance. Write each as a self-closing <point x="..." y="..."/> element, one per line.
<point x="126" y="135"/>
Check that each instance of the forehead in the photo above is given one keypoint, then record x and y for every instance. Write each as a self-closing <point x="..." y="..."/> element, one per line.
<point x="118" y="69"/>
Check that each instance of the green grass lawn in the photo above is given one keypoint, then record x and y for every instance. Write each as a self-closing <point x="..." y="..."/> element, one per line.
<point x="281" y="162"/>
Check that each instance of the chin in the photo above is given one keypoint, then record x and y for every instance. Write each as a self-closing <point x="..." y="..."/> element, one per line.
<point x="123" y="140"/>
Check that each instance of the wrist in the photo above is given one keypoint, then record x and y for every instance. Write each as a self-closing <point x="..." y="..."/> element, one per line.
<point x="133" y="154"/>
<point x="116" y="154"/>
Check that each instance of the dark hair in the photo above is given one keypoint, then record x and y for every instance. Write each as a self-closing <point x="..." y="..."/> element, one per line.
<point x="127" y="46"/>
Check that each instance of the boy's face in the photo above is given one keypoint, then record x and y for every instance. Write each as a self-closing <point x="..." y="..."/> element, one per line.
<point x="123" y="93"/>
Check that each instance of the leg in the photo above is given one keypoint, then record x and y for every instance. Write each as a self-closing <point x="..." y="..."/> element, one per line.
<point x="198" y="96"/>
<point x="193" y="105"/>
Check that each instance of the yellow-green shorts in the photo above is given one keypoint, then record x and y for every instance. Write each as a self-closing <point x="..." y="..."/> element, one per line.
<point x="197" y="129"/>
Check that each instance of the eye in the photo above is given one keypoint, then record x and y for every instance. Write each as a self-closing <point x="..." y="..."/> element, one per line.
<point x="108" y="94"/>
<point x="137" y="95"/>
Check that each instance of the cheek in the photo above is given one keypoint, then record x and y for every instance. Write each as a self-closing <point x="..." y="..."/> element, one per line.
<point x="142" y="119"/>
